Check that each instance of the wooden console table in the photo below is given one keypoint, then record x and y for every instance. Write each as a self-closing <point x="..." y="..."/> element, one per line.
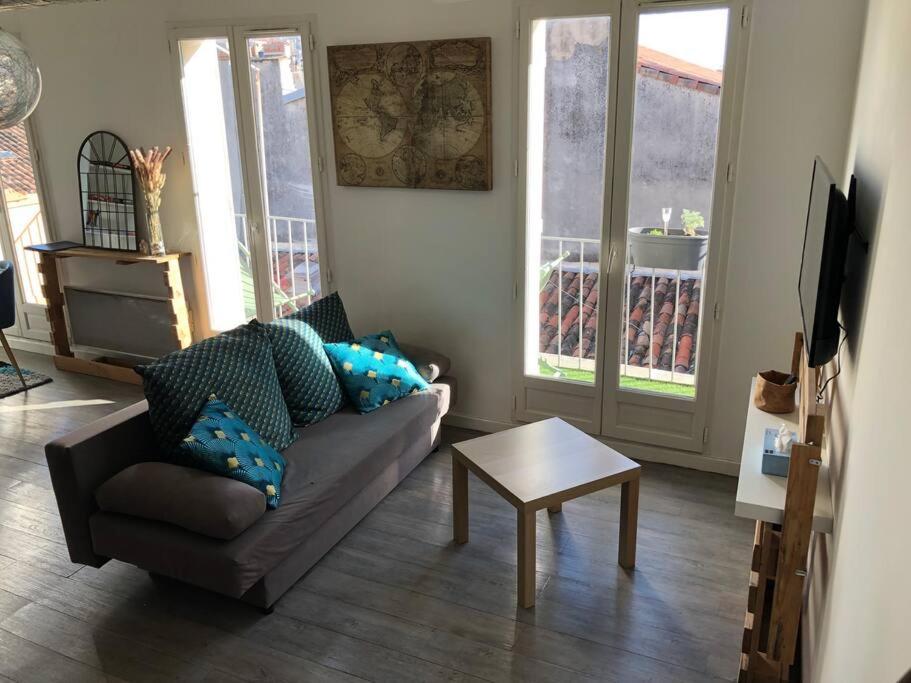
<point x="64" y="358"/>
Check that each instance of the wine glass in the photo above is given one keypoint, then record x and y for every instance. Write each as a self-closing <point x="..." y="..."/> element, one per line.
<point x="666" y="217"/>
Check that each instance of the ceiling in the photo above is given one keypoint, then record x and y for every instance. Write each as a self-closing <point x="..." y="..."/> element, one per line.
<point x="16" y="4"/>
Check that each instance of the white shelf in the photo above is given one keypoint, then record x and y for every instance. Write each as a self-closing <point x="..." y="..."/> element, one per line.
<point x="761" y="496"/>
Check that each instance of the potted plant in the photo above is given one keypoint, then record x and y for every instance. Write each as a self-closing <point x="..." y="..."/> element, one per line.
<point x="671" y="249"/>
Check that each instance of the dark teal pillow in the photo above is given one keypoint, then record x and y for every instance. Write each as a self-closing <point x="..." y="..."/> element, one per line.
<point x="374" y="371"/>
<point x="309" y="385"/>
<point x="237" y="366"/>
<point x="221" y="443"/>
<point x="327" y="316"/>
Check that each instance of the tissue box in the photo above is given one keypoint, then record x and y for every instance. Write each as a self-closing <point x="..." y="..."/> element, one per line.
<point x="773" y="462"/>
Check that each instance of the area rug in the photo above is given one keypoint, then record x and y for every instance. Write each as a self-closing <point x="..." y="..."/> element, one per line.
<point x="9" y="380"/>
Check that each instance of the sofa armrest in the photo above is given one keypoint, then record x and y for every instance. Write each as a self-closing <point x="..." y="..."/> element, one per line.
<point x="430" y="364"/>
<point x="82" y="460"/>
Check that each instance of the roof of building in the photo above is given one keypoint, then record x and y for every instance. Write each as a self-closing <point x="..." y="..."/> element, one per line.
<point x="668" y="68"/>
<point x="640" y="345"/>
<point x="16" y="168"/>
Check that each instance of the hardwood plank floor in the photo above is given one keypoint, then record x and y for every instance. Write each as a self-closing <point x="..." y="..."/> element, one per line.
<point x="395" y="600"/>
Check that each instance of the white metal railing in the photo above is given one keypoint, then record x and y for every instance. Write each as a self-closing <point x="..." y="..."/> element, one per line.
<point x="307" y="247"/>
<point x="683" y="324"/>
<point x="283" y="234"/>
<point x="570" y="256"/>
<point x="566" y="261"/>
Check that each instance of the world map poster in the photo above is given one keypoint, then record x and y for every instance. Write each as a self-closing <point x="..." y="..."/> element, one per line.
<point x="414" y="114"/>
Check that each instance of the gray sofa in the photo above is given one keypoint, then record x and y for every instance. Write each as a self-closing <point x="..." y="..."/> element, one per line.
<point x="337" y="471"/>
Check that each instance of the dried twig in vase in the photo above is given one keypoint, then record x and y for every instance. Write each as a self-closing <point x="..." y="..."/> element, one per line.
<point x="148" y="167"/>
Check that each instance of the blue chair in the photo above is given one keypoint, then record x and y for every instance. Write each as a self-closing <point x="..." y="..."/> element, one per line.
<point x="8" y="311"/>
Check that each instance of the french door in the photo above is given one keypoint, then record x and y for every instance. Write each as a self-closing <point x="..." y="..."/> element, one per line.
<point x="627" y="111"/>
<point x="252" y="142"/>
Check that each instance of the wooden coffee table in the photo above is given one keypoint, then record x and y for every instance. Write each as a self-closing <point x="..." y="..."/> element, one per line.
<point x="542" y="465"/>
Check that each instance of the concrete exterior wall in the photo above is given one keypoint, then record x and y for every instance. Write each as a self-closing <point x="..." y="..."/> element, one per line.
<point x="674" y="142"/>
<point x="287" y="145"/>
<point x="575" y="90"/>
<point x="288" y="167"/>
<point x="675" y="132"/>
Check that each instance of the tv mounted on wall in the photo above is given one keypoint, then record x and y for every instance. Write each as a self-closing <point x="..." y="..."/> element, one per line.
<point x="830" y="222"/>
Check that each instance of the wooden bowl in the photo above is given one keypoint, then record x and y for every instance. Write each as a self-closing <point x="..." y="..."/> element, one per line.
<point x="772" y="395"/>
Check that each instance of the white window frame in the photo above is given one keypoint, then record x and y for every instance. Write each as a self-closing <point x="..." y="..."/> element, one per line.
<point x="236" y="31"/>
<point x="31" y="318"/>
<point x="535" y="397"/>
<point x="596" y="407"/>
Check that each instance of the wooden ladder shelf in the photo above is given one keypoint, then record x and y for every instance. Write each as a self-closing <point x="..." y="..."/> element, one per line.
<point x="779" y="566"/>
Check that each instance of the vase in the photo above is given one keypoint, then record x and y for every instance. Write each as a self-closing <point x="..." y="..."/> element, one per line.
<point x="156" y="239"/>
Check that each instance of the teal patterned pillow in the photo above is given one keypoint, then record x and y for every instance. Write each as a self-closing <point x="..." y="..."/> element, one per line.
<point x="327" y="316"/>
<point x="221" y="443"/>
<point x="310" y="388"/>
<point x="237" y="366"/>
<point x="374" y="371"/>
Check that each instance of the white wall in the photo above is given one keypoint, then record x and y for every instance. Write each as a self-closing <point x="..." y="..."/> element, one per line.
<point x="799" y="99"/>
<point x="437" y="266"/>
<point x="861" y="596"/>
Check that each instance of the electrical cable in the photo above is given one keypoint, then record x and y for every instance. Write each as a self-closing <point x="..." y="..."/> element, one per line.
<point x="822" y="389"/>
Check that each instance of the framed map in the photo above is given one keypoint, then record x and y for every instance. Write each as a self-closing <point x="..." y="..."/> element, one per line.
<point x="412" y="114"/>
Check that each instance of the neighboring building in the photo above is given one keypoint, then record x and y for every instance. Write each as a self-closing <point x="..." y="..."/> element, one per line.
<point x="675" y="122"/>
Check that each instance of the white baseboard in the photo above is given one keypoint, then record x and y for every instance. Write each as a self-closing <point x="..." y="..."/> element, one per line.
<point x="47" y="349"/>
<point x="693" y="461"/>
<point x="33" y="345"/>
<point x="668" y="456"/>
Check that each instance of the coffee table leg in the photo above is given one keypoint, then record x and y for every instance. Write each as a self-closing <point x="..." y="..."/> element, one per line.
<point x="629" y="516"/>
<point x="459" y="502"/>
<point x="556" y="508"/>
<point x="526" y="557"/>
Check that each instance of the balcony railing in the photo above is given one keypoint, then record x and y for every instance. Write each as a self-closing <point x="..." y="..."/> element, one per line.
<point x="293" y="261"/>
<point x="659" y="336"/>
<point x="660" y="347"/>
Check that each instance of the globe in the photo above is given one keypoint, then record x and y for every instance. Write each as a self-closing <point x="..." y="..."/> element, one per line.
<point x="20" y="82"/>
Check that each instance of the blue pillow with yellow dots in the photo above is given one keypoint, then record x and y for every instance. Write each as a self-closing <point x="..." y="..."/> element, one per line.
<point x="221" y="443"/>
<point x="374" y="371"/>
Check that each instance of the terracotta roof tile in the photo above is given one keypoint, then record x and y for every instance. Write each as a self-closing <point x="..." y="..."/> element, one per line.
<point x="16" y="170"/>
<point x="668" y="68"/>
<point x="643" y="341"/>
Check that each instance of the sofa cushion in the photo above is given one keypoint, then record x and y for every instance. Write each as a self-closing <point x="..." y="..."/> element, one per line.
<point x="237" y="366"/>
<point x="221" y="443"/>
<point x="429" y="363"/>
<point x="309" y="385"/>
<point x="331" y="462"/>
<point x="198" y="501"/>
<point x="327" y="316"/>
<point x="374" y="371"/>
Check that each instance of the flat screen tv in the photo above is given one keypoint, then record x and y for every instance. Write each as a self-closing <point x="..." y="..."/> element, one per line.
<point x="822" y="269"/>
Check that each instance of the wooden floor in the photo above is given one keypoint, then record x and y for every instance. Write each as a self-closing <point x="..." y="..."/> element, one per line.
<point x="395" y="600"/>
